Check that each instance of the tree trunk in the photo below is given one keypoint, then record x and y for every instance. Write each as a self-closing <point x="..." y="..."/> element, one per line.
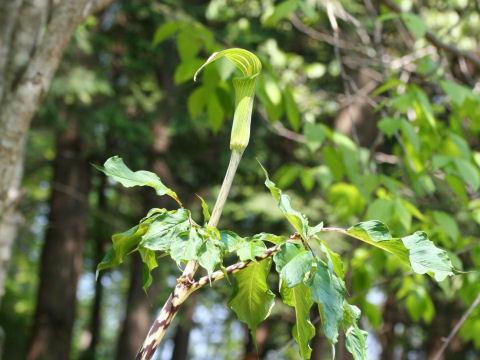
<point x="62" y="253"/>
<point x="100" y="243"/>
<point x="138" y="316"/>
<point x="28" y="62"/>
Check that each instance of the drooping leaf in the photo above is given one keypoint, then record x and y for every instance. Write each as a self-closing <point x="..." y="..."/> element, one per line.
<point x="303" y="331"/>
<point x="425" y="257"/>
<point x="164" y="230"/>
<point x="123" y="243"/>
<point x="149" y="260"/>
<point x="115" y="168"/>
<point x="186" y="247"/>
<point x="252" y="300"/>
<point x="292" y="263"/>
<point x="356" y="338"/>
<point x="329" y="292"/>
<point x="333" y="260"/>
<point x="416" y="250"/>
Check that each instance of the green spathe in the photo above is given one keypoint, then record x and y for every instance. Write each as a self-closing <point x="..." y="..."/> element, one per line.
<point x="250" y="66"/>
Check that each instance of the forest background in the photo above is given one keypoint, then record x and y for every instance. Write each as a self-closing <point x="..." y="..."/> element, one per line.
<point x="365" y="110"/>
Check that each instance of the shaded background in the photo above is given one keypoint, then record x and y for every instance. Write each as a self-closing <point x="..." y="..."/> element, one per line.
<point x="377" y="118"/>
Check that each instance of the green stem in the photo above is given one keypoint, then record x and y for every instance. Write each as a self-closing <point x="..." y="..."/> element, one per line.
<point x="235" y="158"/>
<point x="185" y="284"/>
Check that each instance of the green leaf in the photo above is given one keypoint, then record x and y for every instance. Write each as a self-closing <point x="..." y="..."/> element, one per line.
<point x="416" y="250"/>
<point x="149" y="263"/>
<point x="356" y="339"/>
<point x="329" y="292"/>
<point x="115" y="168"/>
<point x="197" y="101"/>
<point x="457" y="93"/>
<point x="315" y="134"/>
<point x="249" y="249"/>
<point x="468" y="172"/>
<point x="281" y="11"/>
<point x="293" y="262"/>
<point x="414" y="23"/>
<point x="186" y="70"/>
<point x="123" y="243"/>
<point x="205" y="211"/>
<point x="210" y="254"/>
<point x="334" y="260"/>
<point x="274" y="239"/>
<point x="252" y="300"/>
<point x="389" y="125"/>
<point x="215" y="112"/>
<point x="164" y="230"/>
<point x="447" y="223"/>
<point x="165" y="31"/>
<point x="186" y="246"/>
<point x="425" y="257"/>
<point x="293" y="114"/>
<point x="298" y="221"/>
<point x="188" y="46"/>
<point x="300" y="297"/>
<point x="230" y="240"/>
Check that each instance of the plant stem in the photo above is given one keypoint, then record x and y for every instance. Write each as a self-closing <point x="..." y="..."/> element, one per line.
<point x="185" y="282"/>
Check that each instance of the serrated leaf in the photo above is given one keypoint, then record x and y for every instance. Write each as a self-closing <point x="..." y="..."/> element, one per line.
<point x="300" y="297"/>
<point x="416" y="250"/>
<point x="164" y="230"/>
<point x="298" y="221"/>
<point x="292" y="263"/>
<point x="329" y="292"/>
<point x="252" y="300"/>
<point x="249" y="249"/>
<point x="115" y="168"/>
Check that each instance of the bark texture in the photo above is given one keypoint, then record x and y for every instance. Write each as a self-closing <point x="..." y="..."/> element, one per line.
<point x="62" y="253"/>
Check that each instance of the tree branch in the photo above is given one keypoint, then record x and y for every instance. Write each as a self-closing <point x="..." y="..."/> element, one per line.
<point x="457" y="327"/>
<point x="434" y="40"/>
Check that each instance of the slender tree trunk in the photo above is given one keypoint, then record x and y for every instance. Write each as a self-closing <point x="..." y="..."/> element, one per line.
<point x="138" y="316"/>
<point x="100" y="243"/>
<point x="62" y="253"/>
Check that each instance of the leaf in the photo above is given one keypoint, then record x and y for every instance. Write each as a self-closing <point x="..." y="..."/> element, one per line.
<point x="115" y="168"/>
<point x="274" y="239"/>
<point x="425" y="257"/>
<point x="149" y="263"/>
<point x="164" y="230"/>
<point x="298" y="221"/>
<point x="415" y="24"/>
<point x="186" y="247"/>
<point x="249" y="249"/>
<point x="293" y="114"/>
<point x="315" y="134"/>
<point x="186" y="70"/>
<point x="205" y="211"/>
<point x="123" y="243"/>
<point x="329" y="292"/>
<point x="468" y="172"/>
<point x="197" y="101"/>
<point x="188" y="46"/>
<point x="281" y="11"/>
<point x="230" y="240"/>
<point x="252" y="300"/>
<point x="210" y="254"/>
<point x="292" y="263"/>
<point x="215" y="112"/>
<point x="356" y="339"/>
<point x="303" y="331"/>
<point x="447" y="223"/>
<point x="165" y="31"/>
<point x="389" y="125"/>
<point x="416" y="250"/>
<point x="334" y="260"/>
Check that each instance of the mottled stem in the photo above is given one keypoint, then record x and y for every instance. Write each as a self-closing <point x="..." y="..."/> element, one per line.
<point x="186" y="284"/>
